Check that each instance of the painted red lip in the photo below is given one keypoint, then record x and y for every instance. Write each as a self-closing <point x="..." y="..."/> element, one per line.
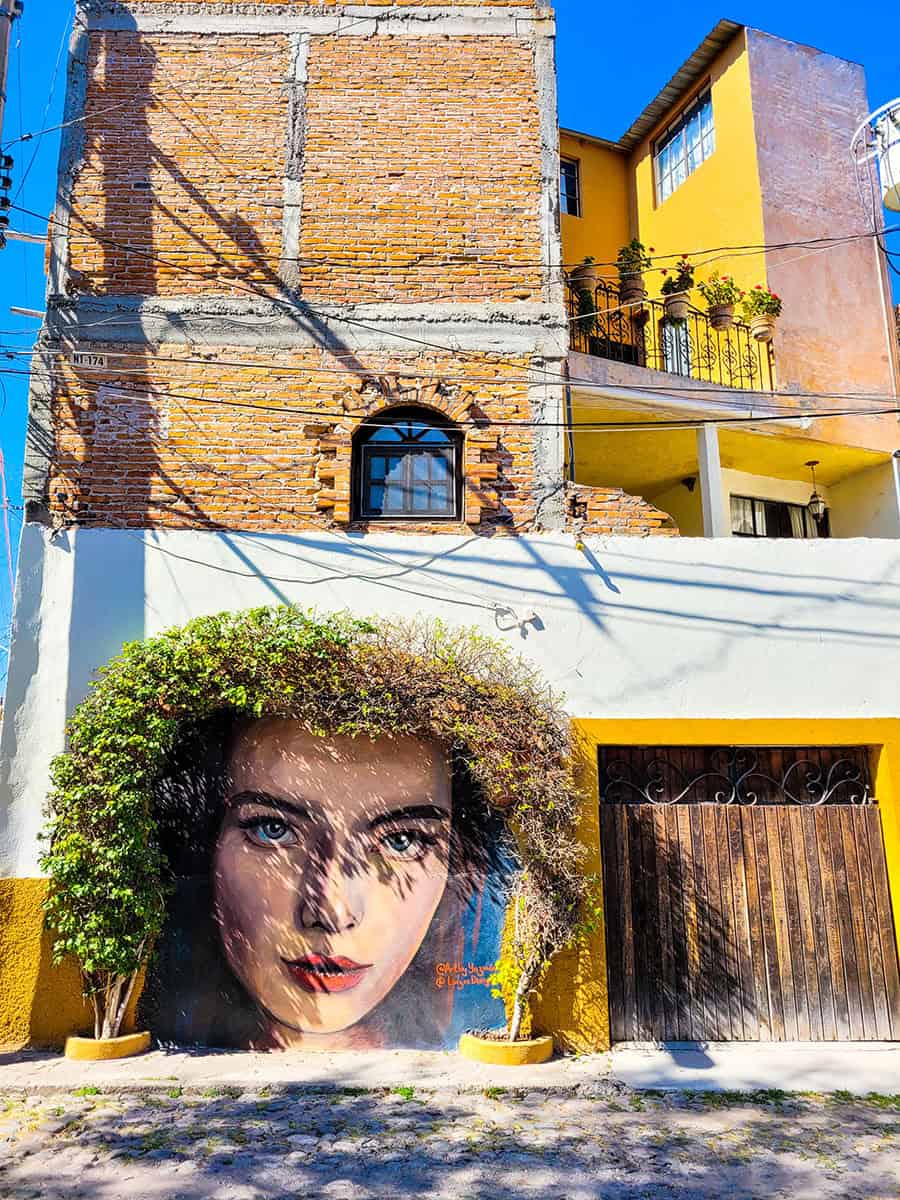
<point x="321" y="973"/>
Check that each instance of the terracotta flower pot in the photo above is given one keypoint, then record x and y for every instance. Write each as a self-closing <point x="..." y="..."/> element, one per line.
<point x="86" y="1049"/>
<point x="506" y="1054"/>
<point x="762" y="327"/>
<point x="721" y="316"/>
<point x="631" y="289"/>
<point x="677" y="305"/>
<point x="584" y="277"/>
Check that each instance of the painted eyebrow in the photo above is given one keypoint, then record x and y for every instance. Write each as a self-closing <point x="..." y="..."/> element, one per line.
<point x="427" y="812"/>
<point x="265" y="800"/>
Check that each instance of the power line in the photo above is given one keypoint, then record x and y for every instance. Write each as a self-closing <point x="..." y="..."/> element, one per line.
<point x="700" y="388"/>
<point x="463" y="257"/>
<point x="367" y="421"/>
<point x="306" y="308"/>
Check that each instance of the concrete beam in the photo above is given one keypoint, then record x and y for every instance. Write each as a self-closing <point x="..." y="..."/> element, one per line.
<point x="295" y="147"/>
<point x="716" y="522"/>
<point x="352" y="20"/>
<point x="283" y="324"/>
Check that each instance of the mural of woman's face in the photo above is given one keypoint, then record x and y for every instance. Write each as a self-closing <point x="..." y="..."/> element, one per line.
<point x="329" y="866"/>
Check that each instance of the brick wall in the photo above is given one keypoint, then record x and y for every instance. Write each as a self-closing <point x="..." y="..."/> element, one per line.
<point x="264" y="442"/>
<point x="416" y="151"/>
<point x="370" y="167"/>
<point x="613" y="512"/>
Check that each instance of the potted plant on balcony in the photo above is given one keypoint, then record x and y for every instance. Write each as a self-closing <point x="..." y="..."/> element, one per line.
<point x="676" y="289"/>
<point x="584" y="277"/>
<point x="762" y="308"/>
<point x="721" y="294"/>
<point x="632" y="262"/>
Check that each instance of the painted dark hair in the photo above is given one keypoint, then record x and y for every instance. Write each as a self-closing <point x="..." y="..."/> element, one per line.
<point x="191" y="995"/>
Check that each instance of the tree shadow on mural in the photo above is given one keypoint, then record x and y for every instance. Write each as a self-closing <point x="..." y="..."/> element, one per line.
<point x="330" y="892"/>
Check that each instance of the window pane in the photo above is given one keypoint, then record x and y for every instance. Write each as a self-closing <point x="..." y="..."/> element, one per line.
<point x="684" y="146"/>
<point x="387" y="433"/>
<point x="414" y="476"/>
<point x="742" y="516"/>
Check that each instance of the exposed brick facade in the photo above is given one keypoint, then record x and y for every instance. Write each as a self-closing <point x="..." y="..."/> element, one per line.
<point x="329" y="168"/>
<point x="612" y="512"/>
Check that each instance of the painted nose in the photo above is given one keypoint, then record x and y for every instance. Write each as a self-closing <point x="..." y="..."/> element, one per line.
<point x="331" y="900"/>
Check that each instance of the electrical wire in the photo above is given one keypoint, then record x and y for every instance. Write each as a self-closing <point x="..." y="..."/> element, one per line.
<point x="62" y="44"/>
<point x="736" y="397"/>
<point x="363" y="420"/>
<point x="306" y="308"/>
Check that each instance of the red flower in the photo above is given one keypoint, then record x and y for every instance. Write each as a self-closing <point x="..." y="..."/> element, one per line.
<point x="664" y="271"/>
<point x="652" y="249"/>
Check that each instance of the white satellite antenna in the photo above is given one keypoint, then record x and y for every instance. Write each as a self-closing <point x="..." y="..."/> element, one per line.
<point x="878" y="140"/>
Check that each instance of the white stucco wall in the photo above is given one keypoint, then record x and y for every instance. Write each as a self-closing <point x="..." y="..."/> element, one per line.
<point x="867" y="502"/>
<point x="653" y="627"/>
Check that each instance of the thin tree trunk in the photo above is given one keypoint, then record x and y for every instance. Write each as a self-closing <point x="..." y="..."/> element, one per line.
<point x="526" y="980"/>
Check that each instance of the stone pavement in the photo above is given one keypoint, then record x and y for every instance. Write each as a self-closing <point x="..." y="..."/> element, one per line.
<point x="605" y="1141"/>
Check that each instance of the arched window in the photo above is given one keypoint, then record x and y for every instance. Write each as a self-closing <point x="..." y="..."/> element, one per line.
<point x="407" y="464"/>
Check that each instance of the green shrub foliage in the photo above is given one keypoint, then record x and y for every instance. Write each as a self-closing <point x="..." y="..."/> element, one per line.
<point x="337" y="675"/>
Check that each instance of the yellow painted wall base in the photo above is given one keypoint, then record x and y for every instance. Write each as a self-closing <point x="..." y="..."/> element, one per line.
<point x="40" y="1004"/>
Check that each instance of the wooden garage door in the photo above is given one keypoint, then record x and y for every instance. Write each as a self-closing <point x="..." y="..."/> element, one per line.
<point x="746" y="896"/>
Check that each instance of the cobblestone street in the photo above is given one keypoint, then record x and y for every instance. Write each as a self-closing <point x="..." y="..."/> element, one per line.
<point x="498" y="1144"/>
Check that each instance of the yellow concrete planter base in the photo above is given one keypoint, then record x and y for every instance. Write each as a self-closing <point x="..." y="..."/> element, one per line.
<point x="506" y="1054"/>
<point x="86" y="1049"/>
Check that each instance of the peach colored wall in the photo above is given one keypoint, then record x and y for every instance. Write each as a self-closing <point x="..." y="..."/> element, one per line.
<point x="835" y="332"/>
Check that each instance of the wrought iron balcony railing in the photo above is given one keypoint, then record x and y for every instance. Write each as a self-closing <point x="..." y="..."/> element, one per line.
<point x="643" y="335"/>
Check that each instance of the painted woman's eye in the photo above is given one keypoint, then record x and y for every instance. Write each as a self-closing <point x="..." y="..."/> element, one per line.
<point x="406" y="844"/>
<point x="269" y="831"/>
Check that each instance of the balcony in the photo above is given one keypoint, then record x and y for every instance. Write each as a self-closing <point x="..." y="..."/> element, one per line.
<point x="642" y="336"/>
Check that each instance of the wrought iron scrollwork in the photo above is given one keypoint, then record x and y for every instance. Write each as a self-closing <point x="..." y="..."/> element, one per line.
<point x="736" y="776"/>
<point x="641" y="334"/>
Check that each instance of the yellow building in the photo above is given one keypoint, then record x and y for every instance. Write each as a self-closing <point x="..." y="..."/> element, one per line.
<point x="741" y="164"/>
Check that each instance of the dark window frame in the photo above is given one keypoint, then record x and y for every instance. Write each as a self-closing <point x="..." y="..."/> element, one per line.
<point x="564" y="195"/>
<point x="365" y="448"/>
<point x="780" y="510"/>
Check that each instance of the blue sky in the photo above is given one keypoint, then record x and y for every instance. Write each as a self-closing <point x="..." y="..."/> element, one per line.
<point x="611" y="61"/>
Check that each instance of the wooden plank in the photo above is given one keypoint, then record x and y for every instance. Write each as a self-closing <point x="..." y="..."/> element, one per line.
<point x="888" y="934"/>
<point x="623" y="878"/>
<point x="845" y="923"/>
<point x="681" y="982"/>
<point x="612" y="913"/>
<point x="807" y="949"/>
<point x="732" y="969"/>
<point x="691" y="931"/>
<point x="795" y="947"/>
<point x="859" y="820"/>
<point x="809" y="851"/>
<point x="757" y="992"/>
<point x="780" y="919"/>
<point x="664" y="920"/>
<point x="704" y="1003"/>
<point x="716" y="932"/>
<point x="854" y="895"/>
<point x="655" y="1002"/>
<point x="833" y="923"/>
<point x="767" y="922"/>
<point x="640" y="921"/>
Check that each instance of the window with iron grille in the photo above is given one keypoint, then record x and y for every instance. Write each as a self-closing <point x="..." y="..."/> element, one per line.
<point x="407" y="465"/>
<point x="569" y="187"/>
<point x="688" y="142"/>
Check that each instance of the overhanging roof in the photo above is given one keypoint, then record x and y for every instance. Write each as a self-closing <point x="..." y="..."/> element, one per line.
<point x="682" y="81"/>
<point x="684" y="78"/>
